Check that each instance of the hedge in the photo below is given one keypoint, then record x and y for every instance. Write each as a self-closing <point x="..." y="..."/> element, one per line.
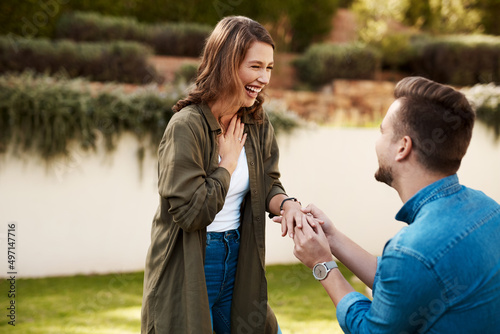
<point x="186" y="73"/>
<point x="42" y="115"/>
<point x="397" y="49"/>
<point x="461" y="60"/>
<point x="112" y="61"/>
<point x="322" y="63"/>
<point x="177" y="39"/>
<point x="457" y="60"/>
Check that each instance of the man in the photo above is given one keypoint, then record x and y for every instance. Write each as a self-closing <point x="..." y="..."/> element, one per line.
<point x="441" y="273"/>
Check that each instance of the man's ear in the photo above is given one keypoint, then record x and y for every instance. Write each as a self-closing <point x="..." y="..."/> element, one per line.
<point x="404" y="148"/>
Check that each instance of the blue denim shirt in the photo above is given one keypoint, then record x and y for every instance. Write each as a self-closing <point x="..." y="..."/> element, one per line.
<point x="439" y="274"/>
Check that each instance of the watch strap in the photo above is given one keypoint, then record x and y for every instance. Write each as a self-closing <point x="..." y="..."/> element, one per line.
<point x="331" y="265"/>
<point x="289" y="199"/>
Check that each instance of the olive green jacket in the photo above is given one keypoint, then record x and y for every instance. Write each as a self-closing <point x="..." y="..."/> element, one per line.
<point x="192" y="190"/>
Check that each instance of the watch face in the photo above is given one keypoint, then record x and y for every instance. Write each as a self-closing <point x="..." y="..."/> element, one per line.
<point x="320" y="271"/>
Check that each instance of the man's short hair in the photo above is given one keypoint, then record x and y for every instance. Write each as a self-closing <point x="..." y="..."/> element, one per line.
<point x="438" y="119"/>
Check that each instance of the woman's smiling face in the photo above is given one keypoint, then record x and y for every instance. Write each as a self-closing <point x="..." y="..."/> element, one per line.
<point x="255" y="71"/>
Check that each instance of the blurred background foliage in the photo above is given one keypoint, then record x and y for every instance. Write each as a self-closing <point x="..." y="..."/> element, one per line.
<point x="486" y="99"/>
<point x="175" y="39"/>
<point x="303" y="20"/>
<point x="295" y="23"/>
<point x="453" y="42"/>
<point x="407" y="34"/>
<point x="377" y="18"/>
<point x="121" y="61"/>
<point x="43" y="114"/>
<point x="322" y="62"/>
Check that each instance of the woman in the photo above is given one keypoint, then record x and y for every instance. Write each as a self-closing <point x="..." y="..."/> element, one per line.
<point x="218" y="174"/>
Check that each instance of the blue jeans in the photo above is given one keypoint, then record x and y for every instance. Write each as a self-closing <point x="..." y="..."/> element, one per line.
<point x="221" y="259"/>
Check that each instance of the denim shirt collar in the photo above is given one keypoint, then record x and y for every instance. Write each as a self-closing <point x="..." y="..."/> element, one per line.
<point x="441" y="188"/>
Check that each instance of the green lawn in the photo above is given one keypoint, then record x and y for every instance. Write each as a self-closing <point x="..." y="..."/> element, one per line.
<point x="300" y="302"/>
<point x="108" y="304"/>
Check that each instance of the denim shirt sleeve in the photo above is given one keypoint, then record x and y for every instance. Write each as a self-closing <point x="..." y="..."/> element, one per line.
<point x="377" y="275"/>
<point x="352" y="304"/>
<point x="399" y="275"/>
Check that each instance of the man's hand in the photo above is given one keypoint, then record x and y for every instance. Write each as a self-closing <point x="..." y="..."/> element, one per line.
<point x="311" y="245"/>
<point x="322" y="218"/>
<point x="358" y="260"/>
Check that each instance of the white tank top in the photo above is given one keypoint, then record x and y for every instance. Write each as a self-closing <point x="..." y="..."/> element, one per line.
<point x="229" y="217"/>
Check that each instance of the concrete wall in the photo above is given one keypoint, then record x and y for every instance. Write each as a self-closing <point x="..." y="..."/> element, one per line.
<point x="92" y="212"/>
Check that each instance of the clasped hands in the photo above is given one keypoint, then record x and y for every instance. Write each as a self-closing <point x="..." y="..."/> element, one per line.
<point x="311" y="231"/>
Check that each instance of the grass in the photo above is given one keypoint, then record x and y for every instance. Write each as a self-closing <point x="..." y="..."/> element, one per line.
<point x="109" y="304"/>
<point x="300" y="302"/>
<point x="79" y="304"/>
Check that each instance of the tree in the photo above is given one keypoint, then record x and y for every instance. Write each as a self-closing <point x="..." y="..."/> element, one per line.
<point x="434" y="16"/>
<point x="374" y="17"/>
<point x="437" y="16"/>
<point x="490" y="12"/>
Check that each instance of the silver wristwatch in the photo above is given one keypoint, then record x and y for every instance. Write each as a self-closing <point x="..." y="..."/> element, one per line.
<point x="321" y="270"/>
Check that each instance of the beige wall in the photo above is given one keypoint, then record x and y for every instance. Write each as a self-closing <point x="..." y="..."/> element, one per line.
<point x="91" y="213"/>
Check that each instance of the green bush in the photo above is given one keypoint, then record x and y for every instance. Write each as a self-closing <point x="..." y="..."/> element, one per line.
<point x="310" y="21"/>
<point x="186" y="73"/>
<point x="322" y="63"/>
<point x="458" y="60"/>
<point x="29" y="18"/>
<point x="113" y="61"/>
<point x="486" y="100"/>
<point x="177" y="39"/>
<point x="283" y="120"/>
<point x="41" y="115"/>
<point x="91" y="27"/>
<point x="397" y="49"/>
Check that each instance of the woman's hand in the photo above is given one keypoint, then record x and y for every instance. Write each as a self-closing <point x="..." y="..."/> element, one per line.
<point x="231" y="143"/>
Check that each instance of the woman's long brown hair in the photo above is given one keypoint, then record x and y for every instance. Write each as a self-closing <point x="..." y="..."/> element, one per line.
<point x="224" y="52"/>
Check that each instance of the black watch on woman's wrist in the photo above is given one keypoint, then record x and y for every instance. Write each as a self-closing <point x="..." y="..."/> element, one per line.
<point x="288" y="199"/>
<point x="271" y="215"/>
